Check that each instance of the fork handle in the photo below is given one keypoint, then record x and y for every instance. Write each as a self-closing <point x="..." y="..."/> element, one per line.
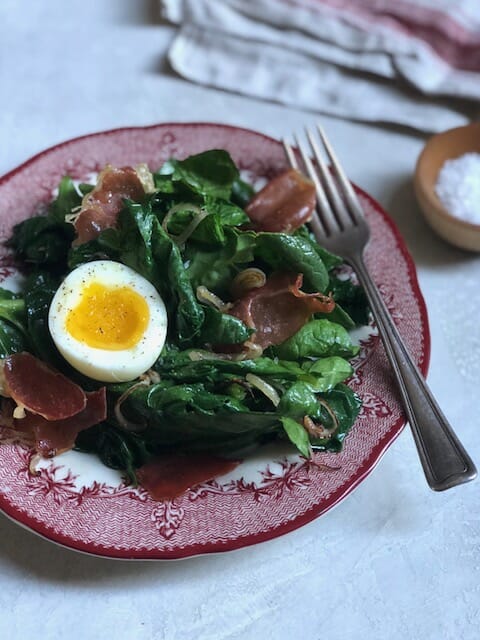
<point x="445" y="462"/>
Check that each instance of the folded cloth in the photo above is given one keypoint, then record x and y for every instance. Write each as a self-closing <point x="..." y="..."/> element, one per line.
<point x="410" y="62"/>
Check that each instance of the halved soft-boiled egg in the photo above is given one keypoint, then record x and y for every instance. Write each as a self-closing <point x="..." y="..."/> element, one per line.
<point x="108" y="321"/>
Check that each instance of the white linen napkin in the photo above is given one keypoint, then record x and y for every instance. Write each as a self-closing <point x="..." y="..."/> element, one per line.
<point x="414" y="63"/>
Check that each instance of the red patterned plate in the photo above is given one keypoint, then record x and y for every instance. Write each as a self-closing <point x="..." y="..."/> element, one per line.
<point x="75" y="501"/>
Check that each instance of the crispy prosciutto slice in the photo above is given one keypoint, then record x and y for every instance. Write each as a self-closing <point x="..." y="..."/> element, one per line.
<point x="169" y="475"/>
<point x="40" y="389"/>
<point x="52" y="437"/>
<point x="102" y="205"/>
<point x="279" y="309"/>
<point x="284" y="204"/>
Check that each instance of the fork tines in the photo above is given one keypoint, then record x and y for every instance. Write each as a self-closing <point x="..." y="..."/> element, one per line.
<point x="338" y="205"/>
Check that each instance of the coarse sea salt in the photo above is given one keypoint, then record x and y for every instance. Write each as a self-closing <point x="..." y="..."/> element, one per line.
<point x="458" y="187"/>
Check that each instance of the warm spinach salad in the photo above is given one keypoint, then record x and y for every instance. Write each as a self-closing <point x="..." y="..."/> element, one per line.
<point x="257" y="345"/>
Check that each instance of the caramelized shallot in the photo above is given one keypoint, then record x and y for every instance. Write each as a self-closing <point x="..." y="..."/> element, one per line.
<point x="199" y="215"/>
<point x="212" y="300"/>
<point x="264" y="387"/>
<point x="246" y="280"/>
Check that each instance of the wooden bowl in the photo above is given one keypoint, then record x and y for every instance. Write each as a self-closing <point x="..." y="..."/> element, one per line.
<point x="439" y="148"/>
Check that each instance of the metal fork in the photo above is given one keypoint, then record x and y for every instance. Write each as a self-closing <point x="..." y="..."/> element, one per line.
<point x="340" y="226"/>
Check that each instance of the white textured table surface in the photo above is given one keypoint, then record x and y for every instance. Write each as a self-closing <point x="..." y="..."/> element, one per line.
<point x="394" y="559"/>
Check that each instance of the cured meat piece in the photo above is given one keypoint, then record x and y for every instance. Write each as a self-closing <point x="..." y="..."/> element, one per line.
<point x="90" y="223"/>
<point x="168" y="476"/>
<point x="55" y="436"/>
<point x="279" y="309"/>
<point x="40" y="389"/>
<point x="102" y="205"/>
<point x="284" y="204"/>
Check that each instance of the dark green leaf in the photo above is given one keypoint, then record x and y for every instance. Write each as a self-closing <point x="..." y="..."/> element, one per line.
<point x="179" y="366"/>
<point x="242" y="192"/>
<point x="182" y="398"/>
<point x="39" y="291"/>
<point x="228" y="213"/>
<point x="104" y="247"/>
<point x="12" y="308"/>
<point x="211" y="173"/>
<point x="298" y="401"/>
<point x="315" y="339"/>
<point x="163" y="182"/>
<point x="12" y="340"/>
<point x="13" y="336"/>
<point x="330" y="260"/>
<point x="285" y="252"/>
<point x="85" y="188"/>
<point x="338" y="315"/>
<point x="218" y="215"/>
<point x="211" y="269"/>
<point x="45" y="240"/>
<point x="116" y="448"/>
<point x="148" y="249"/>
<point x="328" y="372"/>
<point x="215" y="269"/>
<point x="297" y="435"/>
<point x="352" y="299"/>
<point x="68" y="198"/>
<point x="346" y="405"/>
<point x="135" y="230"/>
<point x="222" y="328"/>
<point x="42" y="241"/>
<point x="189" y="313"/>
<point x="189" y="417"/>
<point x="208" y="231"/>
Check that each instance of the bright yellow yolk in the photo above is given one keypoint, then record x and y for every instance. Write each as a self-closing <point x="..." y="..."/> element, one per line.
<point x="108" y="318"/>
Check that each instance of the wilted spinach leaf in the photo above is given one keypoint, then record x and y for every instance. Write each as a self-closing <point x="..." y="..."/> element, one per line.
<point x="293" y="253"/>
<point x="211" y="173"/>
<point x="39" y="290"/>
<point x="104" y="247"/>
<point x="318" y="338"/>
<point x="46" y="240"/>
<point x="330" y="260"/>
<point x="222" y="328"/>
<point x="242" y="192"/>
<point x="297" y="435"/>
<point x="12" y="308"/>
<point x="146" y="247"/>
<point x="116" y="448"/>
<point x="228" y="213"/>
<point x="215" y="269"/>
<point x="346" y="405"/>
<point x="352" y="299"/>
<point x="328" y="371"/>
<point x="13" y="336"/>
<point x="298" y="401"/>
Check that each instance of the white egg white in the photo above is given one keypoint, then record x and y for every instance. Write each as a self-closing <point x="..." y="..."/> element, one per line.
<point x="103" y="364"/>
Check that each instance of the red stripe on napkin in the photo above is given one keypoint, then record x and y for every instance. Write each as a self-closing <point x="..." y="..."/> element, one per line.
<point x="451" y="40"/>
